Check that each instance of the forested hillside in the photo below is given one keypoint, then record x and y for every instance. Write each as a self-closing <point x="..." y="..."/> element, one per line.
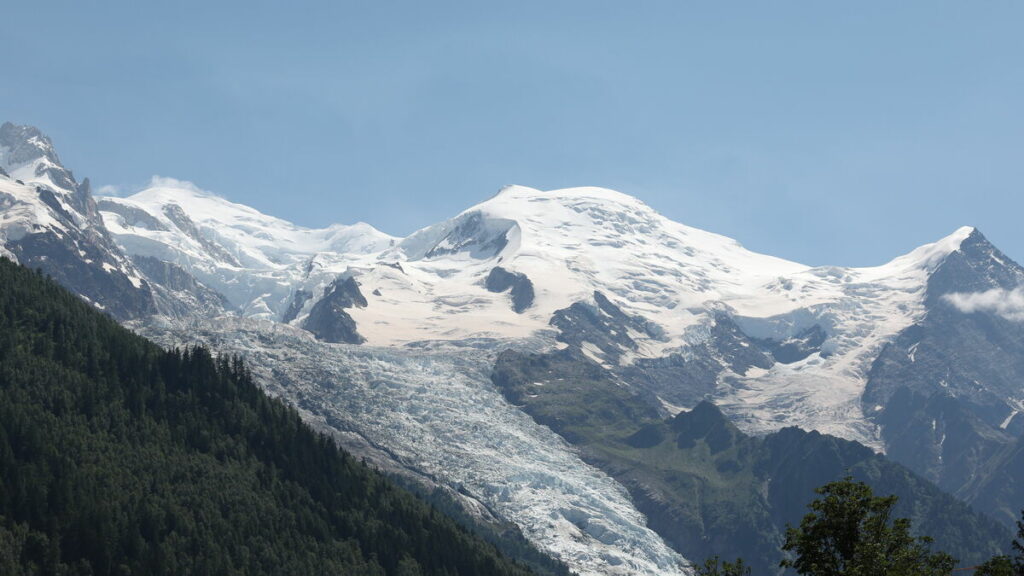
<point x="117" y="457"/>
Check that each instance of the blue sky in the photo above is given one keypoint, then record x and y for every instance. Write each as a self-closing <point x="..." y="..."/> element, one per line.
<point x="825" y="132"/>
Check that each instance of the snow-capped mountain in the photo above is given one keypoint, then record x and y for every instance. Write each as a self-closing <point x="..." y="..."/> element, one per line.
<point x="48" y="220"/>
<point x="387" y="342"/>
<point x="256" y="262"/>
<point x="679" y="282"/>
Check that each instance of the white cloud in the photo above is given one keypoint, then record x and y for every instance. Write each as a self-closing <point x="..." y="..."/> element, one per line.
<point x="1007" y="303"/>
<point x="108" y="190"/>
<point x="167" y="182"/>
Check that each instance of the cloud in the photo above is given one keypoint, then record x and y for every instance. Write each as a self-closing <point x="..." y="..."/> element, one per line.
<point x="167" y="182"/>
<point x="1006" y="303"/>
<point x="108" y="190"/>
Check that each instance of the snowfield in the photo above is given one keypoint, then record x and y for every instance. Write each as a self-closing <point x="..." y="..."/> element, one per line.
<point x="569" y="243"/>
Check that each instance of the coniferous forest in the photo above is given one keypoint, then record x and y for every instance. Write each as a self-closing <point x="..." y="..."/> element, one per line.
<point x="118" y="457"/>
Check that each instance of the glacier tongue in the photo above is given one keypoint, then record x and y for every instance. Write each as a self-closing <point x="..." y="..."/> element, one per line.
<point x="435" y="411"/>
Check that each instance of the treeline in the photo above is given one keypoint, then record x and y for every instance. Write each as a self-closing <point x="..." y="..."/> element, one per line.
<point x="117" y="457"/>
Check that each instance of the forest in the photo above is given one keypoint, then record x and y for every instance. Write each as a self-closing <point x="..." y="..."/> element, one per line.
<point x="119" y="457"/>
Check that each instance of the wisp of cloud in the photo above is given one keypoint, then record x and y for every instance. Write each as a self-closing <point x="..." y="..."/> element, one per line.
<point x="1007" y="303"/>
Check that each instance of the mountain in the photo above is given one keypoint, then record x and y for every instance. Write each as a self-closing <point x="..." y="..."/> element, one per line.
<point x="388" y="344"/>
<point x="49" y="220"/>
<point x="257" y="262"/>
<point x="118" y="456"/>
<point x="709" y="488"/>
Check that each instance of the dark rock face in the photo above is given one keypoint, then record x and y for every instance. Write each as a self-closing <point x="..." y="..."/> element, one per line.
<point x="328" y="320"/>
<point x="685" y="380"/>
<point x="295" y="306"/>
<point x="940" y="437"/>
<point x="77" y="260"/>
<point x="798" y="347"/>
<point x="603" y="325"/>
<point x="734" y="348"/>
<point x="943" y="389"/>
<point x="179" y="293"/>
<point x="500" y="280"/>
<point x="681" y="379"/>
<point x="977" y="266"/>
<point x="999" y="490"/>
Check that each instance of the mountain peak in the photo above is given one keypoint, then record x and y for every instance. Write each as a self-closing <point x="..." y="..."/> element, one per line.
<point x="974" y="265"/>
<point x="24" y="144"/>
<point x="29" y="155"/>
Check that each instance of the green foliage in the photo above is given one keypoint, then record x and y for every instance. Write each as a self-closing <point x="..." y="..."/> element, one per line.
<point x="1018" y="547"/>
<point x="716" y="567"/>
<point x="117" y="457"/>
<point x="850" y="532"/>
<point x="997" y="566"/>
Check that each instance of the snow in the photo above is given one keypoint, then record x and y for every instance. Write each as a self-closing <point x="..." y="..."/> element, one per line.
<point x="569" y="243"/>
<point x="22" y="212"/>
<point x="256" y="261"/>
<point x="436" y="412"/>
<point x="1006" y="423"/>
<point x="427" y="301"/>
<point x="420" y="392"/>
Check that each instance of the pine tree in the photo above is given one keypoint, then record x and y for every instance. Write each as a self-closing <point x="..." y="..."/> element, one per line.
<point x="714" y="566"/>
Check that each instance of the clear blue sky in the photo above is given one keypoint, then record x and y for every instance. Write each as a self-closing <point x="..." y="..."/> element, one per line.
<point x="826" y="132"/>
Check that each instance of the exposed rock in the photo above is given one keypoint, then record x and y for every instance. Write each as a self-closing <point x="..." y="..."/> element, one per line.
<point x="185" y="295"/>
<point x="296" y="305"/>
<point x="328" y="320"/>
<point x="602" y="325"/>
<point x="797" y="348"/>
<point x="500" y="280"/>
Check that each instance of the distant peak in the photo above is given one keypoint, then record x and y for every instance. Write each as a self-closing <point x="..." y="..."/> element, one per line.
<point x="24" y="144"/>
<point x="515" y="191"/>
<point x="965" y="232"/>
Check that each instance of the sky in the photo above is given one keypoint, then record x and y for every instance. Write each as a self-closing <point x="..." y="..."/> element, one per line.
<point x="840" y="133"/>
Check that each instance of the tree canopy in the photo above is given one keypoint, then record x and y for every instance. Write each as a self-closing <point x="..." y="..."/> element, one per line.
<point x="118" y="458"/>
<point x="850" y="532"/>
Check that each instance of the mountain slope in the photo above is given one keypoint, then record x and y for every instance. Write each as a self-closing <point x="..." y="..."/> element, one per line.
<point x="706" y="486"/>
<point x="256" y="261"/>
<point x="948" y="388"/>
<point x="116" y="456"/>
<point x="48" y="220"/>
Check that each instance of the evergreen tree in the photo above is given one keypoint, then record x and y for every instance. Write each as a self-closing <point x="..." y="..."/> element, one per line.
<point x="1018" y="547"/>
<point x="850" y="532"/>
<point x="997" y="566"/>
<point x="119" y="458"/>
<point x="714" y="566"/>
